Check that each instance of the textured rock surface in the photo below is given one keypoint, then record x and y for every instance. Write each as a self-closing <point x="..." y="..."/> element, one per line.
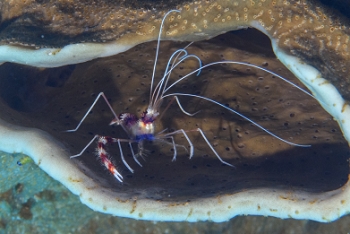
<point x="254" y="93"/>
<point x="307" y="29"/>
<point x="326" y="49"/>
<point x="32" y="202"/>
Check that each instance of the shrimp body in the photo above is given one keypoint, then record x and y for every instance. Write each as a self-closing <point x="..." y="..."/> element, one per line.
<point x="137" y="128"/>
<point x="146" y="125"/>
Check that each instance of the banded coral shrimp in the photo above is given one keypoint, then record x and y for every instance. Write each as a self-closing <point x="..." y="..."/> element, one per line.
<point x="143" y="128"/>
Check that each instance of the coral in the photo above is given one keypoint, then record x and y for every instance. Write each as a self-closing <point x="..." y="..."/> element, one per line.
<point x="59" y="97"/>
<point x="27" y="206"/>
<point x="73" y="33"/>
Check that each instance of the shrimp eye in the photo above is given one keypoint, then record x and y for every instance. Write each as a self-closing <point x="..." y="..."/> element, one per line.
<point x="144" y="114"/>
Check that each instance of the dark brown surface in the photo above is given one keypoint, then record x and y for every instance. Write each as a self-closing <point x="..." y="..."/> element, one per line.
<point x="56" y="99"/>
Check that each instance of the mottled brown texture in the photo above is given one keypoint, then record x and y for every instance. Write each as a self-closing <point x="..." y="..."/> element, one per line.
<point x="242" y="224"/>
<point x="305" y="28"/>
<point x="62" y="96"/>
<point x="318" y="36"/>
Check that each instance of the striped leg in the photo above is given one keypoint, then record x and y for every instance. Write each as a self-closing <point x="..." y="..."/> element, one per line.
<point x="102" y="154"/>
<point x="102" y="141"/>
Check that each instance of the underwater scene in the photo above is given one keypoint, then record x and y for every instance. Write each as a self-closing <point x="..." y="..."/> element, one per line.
<point x="208" y="132"/>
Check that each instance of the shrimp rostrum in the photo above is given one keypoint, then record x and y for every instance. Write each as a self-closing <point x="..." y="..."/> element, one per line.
<point x="143" y="128"/>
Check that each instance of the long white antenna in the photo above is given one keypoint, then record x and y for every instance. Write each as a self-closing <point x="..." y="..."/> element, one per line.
<point x="157" y="51"/>
<point x="237" y="113"/>
<point x="238" y="63"/>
